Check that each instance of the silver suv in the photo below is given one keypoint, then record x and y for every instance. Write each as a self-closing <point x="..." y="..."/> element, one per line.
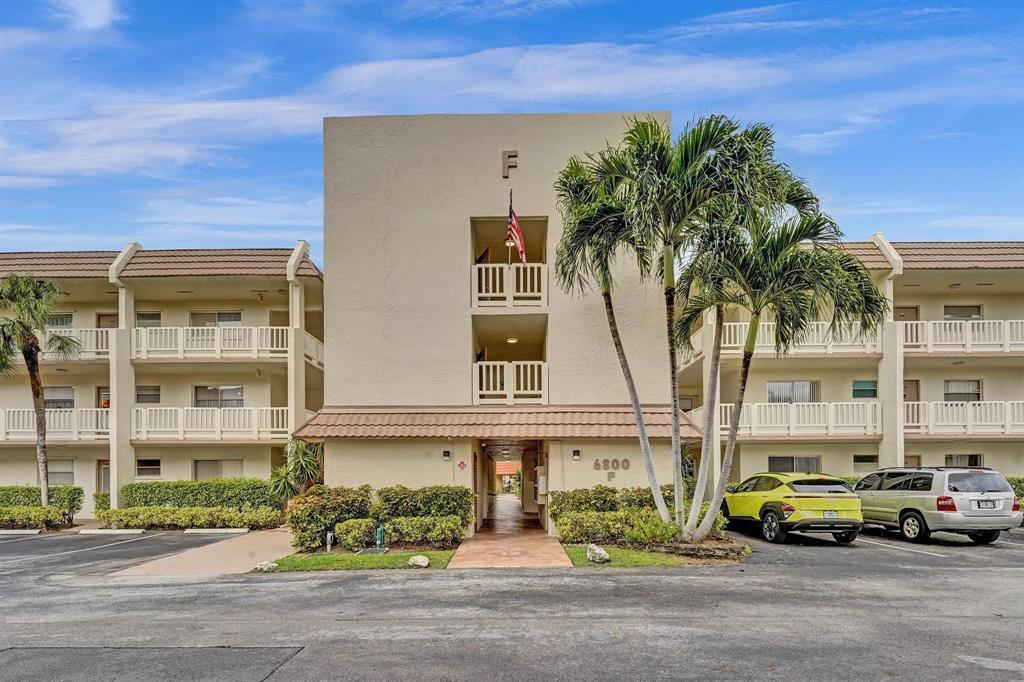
<point x="977" y="502"/>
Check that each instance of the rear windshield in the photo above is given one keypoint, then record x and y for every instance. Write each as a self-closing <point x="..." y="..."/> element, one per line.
<point x="978" y="482"/>
<point x="819" y="485"/>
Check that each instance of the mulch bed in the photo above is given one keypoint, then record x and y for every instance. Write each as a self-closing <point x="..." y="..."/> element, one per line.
<point x="708" y="549"/>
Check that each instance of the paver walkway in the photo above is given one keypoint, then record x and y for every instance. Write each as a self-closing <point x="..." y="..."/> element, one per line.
<point x="237" y="555"/>
<point x="510" y="539"/>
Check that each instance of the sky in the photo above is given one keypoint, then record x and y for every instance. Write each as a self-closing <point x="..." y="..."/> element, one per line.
<point x="198" y="123"/>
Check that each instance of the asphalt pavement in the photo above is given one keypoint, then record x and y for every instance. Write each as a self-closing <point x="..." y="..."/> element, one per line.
<point x="808" y="609"/>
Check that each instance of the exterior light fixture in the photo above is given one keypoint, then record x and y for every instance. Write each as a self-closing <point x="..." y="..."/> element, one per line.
<point x="576" y="455"/>
<point x="511" y="339"/>
<point x="954" y="285"/>
<point x="957" y="363"/>
<point x="184" y="291"/>
<point x="446" y="455"/>
<point x="509" y="243"/>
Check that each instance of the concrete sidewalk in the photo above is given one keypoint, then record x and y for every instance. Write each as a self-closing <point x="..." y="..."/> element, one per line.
<point x="237" y="555"/>
<point x="510" y="539"/>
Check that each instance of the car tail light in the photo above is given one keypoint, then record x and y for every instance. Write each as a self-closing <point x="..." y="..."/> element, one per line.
<point x="945" y="504"/>
<point x="1016" y="504"/>
<point x="787" y="509"/>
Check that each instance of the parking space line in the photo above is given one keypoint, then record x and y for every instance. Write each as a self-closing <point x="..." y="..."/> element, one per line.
<point x="81" y="549"/>
<point x="1018" y="545"/>
<point x="28" y="537"/>
<point x="904" y="549"/>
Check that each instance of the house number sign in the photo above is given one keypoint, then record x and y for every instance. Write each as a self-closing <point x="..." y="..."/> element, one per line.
<point x="611" y="464"/>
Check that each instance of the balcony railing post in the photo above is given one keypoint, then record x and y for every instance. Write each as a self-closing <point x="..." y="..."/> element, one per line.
<point x="510" y="284"/>
<point x="830" y="418"/>
<point x="510" y="383"/>
<point x="180" y="413"/>
<point x="3" y="424"/>
<point x="928" y="328"/>
<point x="1005" y="327"/>
<point x="74" y="424"/>
<point x="476" y="383"/>
<point x="969" y="418"/>
<point x="968" y="336"/>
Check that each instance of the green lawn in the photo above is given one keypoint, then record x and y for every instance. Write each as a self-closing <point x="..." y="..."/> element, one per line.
<point x="622" y="557"/>
<point x="343" y="561"/>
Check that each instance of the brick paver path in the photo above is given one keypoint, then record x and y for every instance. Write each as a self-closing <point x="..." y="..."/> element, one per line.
<point x="510" y="539"/>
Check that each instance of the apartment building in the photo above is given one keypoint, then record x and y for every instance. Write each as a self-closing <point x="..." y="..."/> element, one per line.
<point x="194" y="364"/>
<point x="448" y="354"/>
<point x="942" y="383"/>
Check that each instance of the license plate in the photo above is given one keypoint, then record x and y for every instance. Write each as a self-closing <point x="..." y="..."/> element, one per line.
<point x="831" y="515"/>
<point x="986" y="504"/>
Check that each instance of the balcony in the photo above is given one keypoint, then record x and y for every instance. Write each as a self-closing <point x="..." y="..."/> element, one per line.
<point x="70" y="424"/>
<point x="94" y="344"/>
<point x="210" y="423"/>
<point x="964" y="336"/>
<point x="817" y="340"/>
<point x="800" y="419"/>
<point x="510" y="383"/>
<point x="210" y="342"/>
<point x="510" y="286"/>
<point x="313" y="350"/>
<point x="982" y="418"/>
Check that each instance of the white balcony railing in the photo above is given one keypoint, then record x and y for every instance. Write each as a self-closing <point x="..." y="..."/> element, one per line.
<point x="210" y="342"/>
<point x="510" y="285"/>
<point x="210" y="423"/>
<point x="963" y="336"/>
<point x="313" y="350"/>
<point x="800" y="419"/>
<point x="817" y="339"/>
<point x="70" y="424"/>
<point x="510" y="383"/>
<point x="93" y="344"/>
<point x="984" y="417"/>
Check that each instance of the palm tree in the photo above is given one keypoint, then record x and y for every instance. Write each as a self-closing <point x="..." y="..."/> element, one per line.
<point x="26" y="305"/>
<point x="594" y="230"/>
<point x="793" y="271"/>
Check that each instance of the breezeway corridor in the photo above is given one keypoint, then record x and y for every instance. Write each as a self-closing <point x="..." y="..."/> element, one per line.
<point x="510" y="538"/>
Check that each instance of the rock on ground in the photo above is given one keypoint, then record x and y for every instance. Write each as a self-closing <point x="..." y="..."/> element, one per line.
<point x="597" y="555"/>
<point x="419" y="561"/>
<point x="265" y="567"/>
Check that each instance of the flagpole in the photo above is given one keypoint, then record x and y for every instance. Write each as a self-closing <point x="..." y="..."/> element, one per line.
<point x="508" y="242"/>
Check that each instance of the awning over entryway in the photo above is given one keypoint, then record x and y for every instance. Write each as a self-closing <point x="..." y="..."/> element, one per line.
<point x="497" y="421"/>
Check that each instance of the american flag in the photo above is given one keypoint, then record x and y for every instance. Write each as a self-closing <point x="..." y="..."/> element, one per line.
<point x="515" y="231"/>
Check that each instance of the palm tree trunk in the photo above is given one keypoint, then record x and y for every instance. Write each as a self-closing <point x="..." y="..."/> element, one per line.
<point x="734" y="425"/>
<point x="710" y="439"/>
<point x="31" y="353"/>
<point x="634" y="399"/>
<point x="673" y="363"/>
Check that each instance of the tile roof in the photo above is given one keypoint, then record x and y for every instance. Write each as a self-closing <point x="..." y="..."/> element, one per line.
<point x="57" y="264"/>
<point x="960" y="255"/>
<point x="868" y="254"/>
<point x="214" y="262"/>
<point x="497" y="421"/>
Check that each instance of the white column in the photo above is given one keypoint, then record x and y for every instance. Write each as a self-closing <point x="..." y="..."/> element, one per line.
<point x="890" y="390"/>
<point x="296" y="355"/>
<point x="122" y="397"/>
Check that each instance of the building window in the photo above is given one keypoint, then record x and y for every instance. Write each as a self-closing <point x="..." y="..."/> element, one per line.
<point x="962" y="391"/>
<point x="144" y="320"/>
<point x="219" y="396"/>
<point x="792" y="391"/>
<point x="218" y="319"/>
<point x="209" y="469"/>
<point x="687" y="402"/>
<point x="793" y="464"/>
<point x="864" y="464"/>
<point x="963" y="460"/>
<point x="147" y="468"/>
<point x="147" y="394"/>
<point x="103" y="396"/>
<point x="59" y="397"/>
<point x="865" y="389"/>
<point x="61" y="471"/>
<point x="59" y="321"/>
<point x="961" y="312"/>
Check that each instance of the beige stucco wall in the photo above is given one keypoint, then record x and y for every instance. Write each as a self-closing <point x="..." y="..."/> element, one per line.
<point x="410" y="462"/>
<point x="176" y="460"/>
<point x="997" y="383"/>
<point x="836" y="458"/>
<point x="1005" y="457"/>
<point x="931" y="303"/>
<point x="399" y="196"/>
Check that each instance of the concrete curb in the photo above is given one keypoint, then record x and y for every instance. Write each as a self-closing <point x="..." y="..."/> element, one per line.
<point x="23" y="531"/>
<point x="218" y="531"/>
<point x="111" y="531"/>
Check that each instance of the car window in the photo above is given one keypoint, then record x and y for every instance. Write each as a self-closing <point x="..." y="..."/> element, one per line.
<point x="819" y="485"/>
<point x="869" y="482"/>
<point x="896" y="480"/>
<point x="977" y="482"/>
<point x="765" y="483"/>
<point x="748" y="485"/>
<point x="921" y="482"/>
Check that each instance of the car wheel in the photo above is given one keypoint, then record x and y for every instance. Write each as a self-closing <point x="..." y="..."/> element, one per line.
<point x="913" y="527"/>
<point x="984" y="537"/>
<point x="771" y="528"/>
<point x="846" y="537"/>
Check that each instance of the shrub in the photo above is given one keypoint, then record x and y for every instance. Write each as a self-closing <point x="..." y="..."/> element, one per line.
<point x="434" y="500"/>
<point x="851" y="480"/>
<point x="356" y="534"/>
<point x="440" y="531"/>
<point x="237" y="493"/>
<point x="100" y="501"/>
<point x="27" y="516"/>
<point x="395" y="501"/>
<point x="319" y="509"/>
<point x="646" y="527"/>
<point x="600" y="498"/>
<point x="68" y="498"/>
<point x="179" y="518"/>
<point x="718" y="527"/>
<point x="1017" y="483"/>
<point x="584" y="527"/>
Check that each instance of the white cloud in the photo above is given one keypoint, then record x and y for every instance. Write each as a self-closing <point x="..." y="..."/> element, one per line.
<point x="480" y="10"/>
<point x="1013" y="225"/>
<point x="25" y="182"/>
<point x="233" y="210"/>
<point x="87" y="15"/>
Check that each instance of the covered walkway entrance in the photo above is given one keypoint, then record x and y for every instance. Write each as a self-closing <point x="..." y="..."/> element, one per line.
<point x="510" y="538"/>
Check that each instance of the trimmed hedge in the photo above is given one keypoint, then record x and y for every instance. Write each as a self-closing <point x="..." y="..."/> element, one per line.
<point x="318" y="510"/>
<point x="433" y="500"/>
<point x="628" y="526"/>
<point x="100" y="502"/>
<point x="1017" y="483"/>
<point x="355" y="534"/>
<point x="236" y="493"/>
<point x="603" y="498"/>
<point x="180" y="518"/>
<point x="68" y="498"/>
<point x="443" y="532"/>
<point x="27" y="516"/>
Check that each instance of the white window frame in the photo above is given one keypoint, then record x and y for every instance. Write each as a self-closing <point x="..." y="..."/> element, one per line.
<point x="70" y="317"/>
<point x="159" y="321"/>
<point x="220" y="392"/>
<point x="148" y="402"/>
<point x="813" y="385"/>
<point x="51" y="388"/>
<point x="946" y="392"/>
<point x="951" y="460"/>
<point x="793" y="463"/>
<point x="50" y="470"/>
<point x="217" y="315"/>
<point x="139" y="467"/>
<point x="947" y="317"/>
<point x="220" y="467"/>
<point x="854" y="389"/>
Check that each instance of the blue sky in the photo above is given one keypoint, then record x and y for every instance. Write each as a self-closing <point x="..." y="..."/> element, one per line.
<point x="189" y="124"/>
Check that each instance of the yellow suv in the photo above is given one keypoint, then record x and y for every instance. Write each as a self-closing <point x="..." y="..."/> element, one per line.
<point x="801" y="502"/>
